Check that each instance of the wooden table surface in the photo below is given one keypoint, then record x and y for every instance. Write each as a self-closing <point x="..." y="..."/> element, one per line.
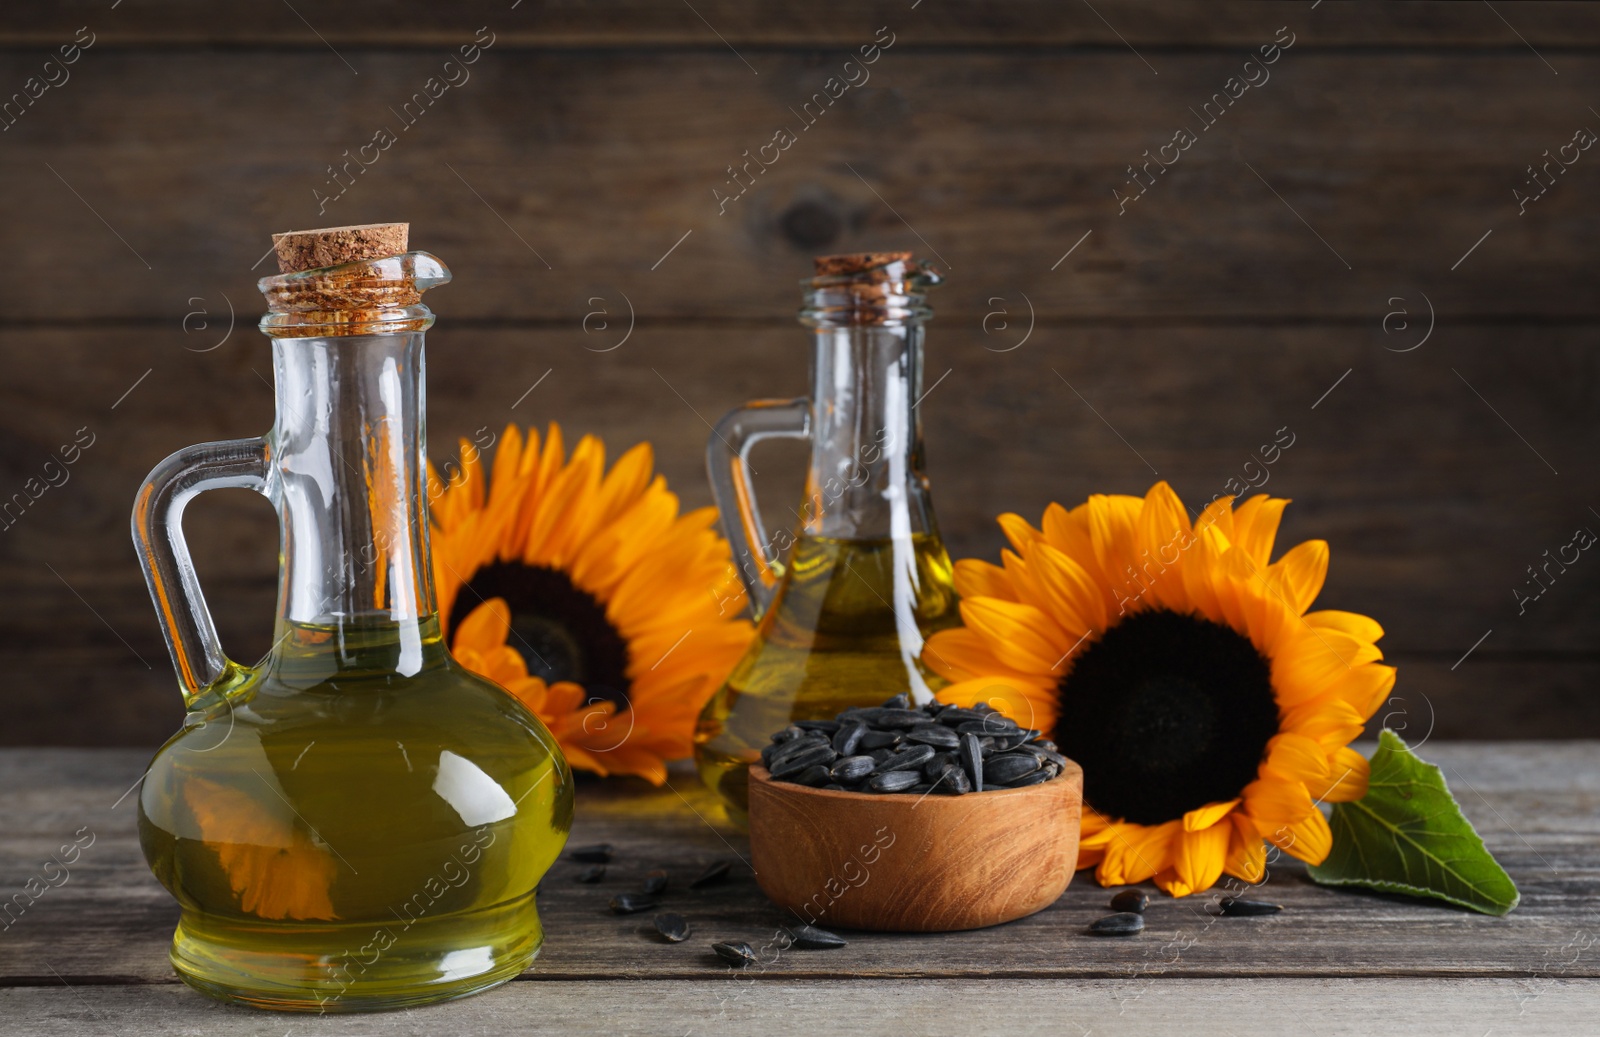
<point x="89" y="956"/>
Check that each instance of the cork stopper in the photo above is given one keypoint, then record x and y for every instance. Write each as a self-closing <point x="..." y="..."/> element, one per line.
<point x="329" y="246"/>
<point x="856" y="262"/>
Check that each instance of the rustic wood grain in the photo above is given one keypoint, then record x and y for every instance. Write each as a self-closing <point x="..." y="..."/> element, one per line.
<point x="548" y="179"/>
<point x="945" y="862"/>
<point x="1534" y="803"/>
<point x="1434" y="507"/>
<point x="822" y="23"/>
<point x="733" y="1006"/>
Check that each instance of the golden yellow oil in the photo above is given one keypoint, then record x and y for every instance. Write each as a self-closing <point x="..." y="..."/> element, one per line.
<point x="833" y="638"/>
<point x="344" y="838"/>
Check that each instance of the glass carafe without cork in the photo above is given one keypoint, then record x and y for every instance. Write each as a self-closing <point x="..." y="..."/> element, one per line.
<point x="866" y="579"/>
<point x="356" y="822"/>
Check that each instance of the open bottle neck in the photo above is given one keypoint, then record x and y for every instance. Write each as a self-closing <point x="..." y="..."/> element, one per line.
<point x="349" y="479"/>
<point x="865" y="479"/>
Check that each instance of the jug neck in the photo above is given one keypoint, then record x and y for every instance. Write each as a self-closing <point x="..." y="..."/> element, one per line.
<point x="348" y="453"/>
<point x="866" y="479"/>
<point x="868" y="312"/>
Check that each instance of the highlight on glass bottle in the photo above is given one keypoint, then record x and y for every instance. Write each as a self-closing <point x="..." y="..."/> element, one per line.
<point x="842" y="615"/>
<point x="355" y="822"/>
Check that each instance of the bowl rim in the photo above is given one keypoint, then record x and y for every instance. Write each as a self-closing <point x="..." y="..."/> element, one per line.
<point x="760" y="773"/>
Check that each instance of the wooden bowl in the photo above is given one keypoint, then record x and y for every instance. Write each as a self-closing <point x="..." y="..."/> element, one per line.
<point x="905" y="863"/>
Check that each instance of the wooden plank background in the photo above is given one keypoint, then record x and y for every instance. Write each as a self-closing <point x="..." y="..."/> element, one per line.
<point x="1253" y="287"/>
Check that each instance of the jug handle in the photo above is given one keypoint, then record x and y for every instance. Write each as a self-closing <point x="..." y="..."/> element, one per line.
<point x="191" y="635"/>
<point x="728" y="464"/>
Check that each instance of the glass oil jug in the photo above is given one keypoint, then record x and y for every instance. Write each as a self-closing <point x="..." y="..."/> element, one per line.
<point x="356" y="822"/>
<point x="841" y="620"/>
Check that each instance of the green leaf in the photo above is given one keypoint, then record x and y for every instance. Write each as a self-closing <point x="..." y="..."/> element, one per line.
<point x="1407" y="835"/>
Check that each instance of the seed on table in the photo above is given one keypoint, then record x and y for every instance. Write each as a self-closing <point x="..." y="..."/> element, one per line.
<point x="673" y="927"/>
<point x="1238" y="907"/>
<point x="1123" y="923"/>
<point x="738" y="955"/>
<point x="909" y="759"/>
<point x="633" y="903"/>
<point x="893" y="781"/>
<point x="810" y="938"/>
<point x="599" y="853"/>
<point x="972" y="760"/>
<point x="933" y="734"/>
<point x="655" y="881"/>
<point x="1135" y="900"/>
<point x="590" y="875"/>
<point x="852" y="769"/>
<point x="715" y="873"/>
<point x="848" y="738"/>
<point x="1003" y="770"/>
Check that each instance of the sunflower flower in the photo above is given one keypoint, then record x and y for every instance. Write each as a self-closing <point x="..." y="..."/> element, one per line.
<point x="586" y="595"/>
<point x="1210" y="711"/>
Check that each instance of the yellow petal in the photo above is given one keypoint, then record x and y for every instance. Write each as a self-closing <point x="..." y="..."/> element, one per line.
<point x="486" y="626"/>
<point x="1018" y="531"/>
<point x="1078" y="603"/>
<point x="1296" y="758"/>
<point x="1272" y="802"/>
<point x="1309" y="839"/>
<point x="1136" y="852"/>
<point x="1301" y="572"/>
<point x="1201" y="856"/>
<point x="1015" y="633"/>
<point x="1360" y="627"/>
<point x="1204" y="817"/>
<point x="1316" y="661"/>
<point x="1247" y="851"/>
<point x="975" y="578"/>
<point x="1163" y="536"/>
<point x="1348" y="771"/>
<point x="1255" y="524"/>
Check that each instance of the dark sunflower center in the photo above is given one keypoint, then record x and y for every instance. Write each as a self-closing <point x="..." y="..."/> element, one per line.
<point x="561" y="632"/>
<point x="1166" y="713"/>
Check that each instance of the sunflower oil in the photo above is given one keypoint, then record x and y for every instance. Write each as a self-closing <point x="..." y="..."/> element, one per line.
<point x="845" y="628"/>
<point x="341" y="838"/>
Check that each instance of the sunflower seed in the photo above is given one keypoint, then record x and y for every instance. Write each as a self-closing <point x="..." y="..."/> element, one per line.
<point x="935" y="767"/>
<point x="590" y="875"/>
<point x="599" y="853"/>
<point x="880" y="739"/>
<point x="674" y="927"/>
<point x="852" y="769"/>
<point x="880" y="755"/>
<point x="1038" y="777"/>
<point x="1044" y="755"/>
<point x="633" y="903"/>
<point x="954" y="781"/>
<point x="990" y="725"/>
<point x="1135" y="900"/>
<point x="815" y="776"/>
<point x="1124" y="923"/>
<point x="736" y="954"/>
<point x="1045" y="743"/>
<point x="900" y="701"/>
<point x="655" y="882"/>
<point x="933" y="734"/>
<point x="1236" y="906"/>
<point x="892" y="781"/>
<point x="810" y="938"/>
<point x="1003" y="770"/>
<point x="909" y="759"/>
<point x="827" y="727"/>
<point x="788" y="733"/>
<point x="798" y="762"/>
<point x="834" y="786"/>
<point x="972" y="760"/>
<point x="795" y="746"/>
<point x="884" y="716"/>
<point x="957" y="715"/>
<point x="714" y="874"/>
<point x="848" y="738"/>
